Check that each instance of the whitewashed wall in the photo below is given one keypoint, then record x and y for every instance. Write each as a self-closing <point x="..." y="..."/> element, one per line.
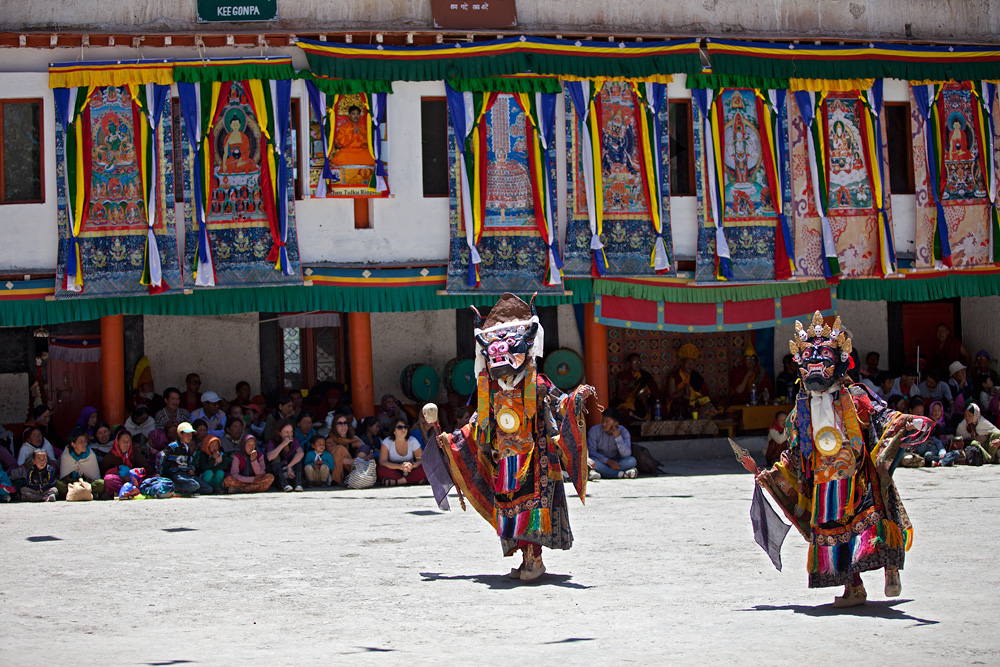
<point x="979" y="325"/>
<point x="401" y="339"/>
<point x="13" y="397"/>
<point x="223" y="350"/>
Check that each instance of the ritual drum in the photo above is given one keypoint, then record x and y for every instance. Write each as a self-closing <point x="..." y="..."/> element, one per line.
<point x="564" y="368"/>
<point x="419" y="382"/>
<point x="460" y="376"/>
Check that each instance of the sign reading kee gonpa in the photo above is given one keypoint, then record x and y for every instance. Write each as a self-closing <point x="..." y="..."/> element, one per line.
<point x="214" y="11"/>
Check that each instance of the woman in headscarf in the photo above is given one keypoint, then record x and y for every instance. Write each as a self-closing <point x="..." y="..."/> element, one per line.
<point x="981" y="432"/>
<point x="210" y="463"/>
<point x="341" y="443"/>
<point x="248" y="471"/>
<point x="120" y="461"/>
<point x="87" y="421"/>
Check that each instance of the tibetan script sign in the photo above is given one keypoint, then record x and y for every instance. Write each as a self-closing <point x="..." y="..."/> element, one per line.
<point x="474" y="13"/>
<point x="214" y="11"/>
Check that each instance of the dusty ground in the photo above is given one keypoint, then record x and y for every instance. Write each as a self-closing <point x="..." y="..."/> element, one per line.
<point x="664" y="571"/>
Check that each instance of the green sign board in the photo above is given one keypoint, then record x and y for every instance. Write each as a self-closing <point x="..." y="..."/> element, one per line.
<point x="215" y="11"/>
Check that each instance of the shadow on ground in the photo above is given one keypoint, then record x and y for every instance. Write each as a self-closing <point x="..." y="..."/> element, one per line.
<point x="881" y="609"/>
<point x="504" y="582"/>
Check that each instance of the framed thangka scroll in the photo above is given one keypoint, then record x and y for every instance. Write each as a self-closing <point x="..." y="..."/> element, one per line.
<point x="952" y="162"/>
<point x="348" y="144"/>
<point x="115" y="192"/>
<point x="512" y="243"/>
<point x="633" y="177"/>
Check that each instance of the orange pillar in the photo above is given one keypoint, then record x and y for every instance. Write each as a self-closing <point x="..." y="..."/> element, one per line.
<point x="113" y="369"/>
<point x="359" y="328"/>
<point x="595" y="360"/>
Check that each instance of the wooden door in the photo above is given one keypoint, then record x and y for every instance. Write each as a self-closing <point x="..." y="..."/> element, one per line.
<point x="74" y="380"/>
<point x="920" y="322"/>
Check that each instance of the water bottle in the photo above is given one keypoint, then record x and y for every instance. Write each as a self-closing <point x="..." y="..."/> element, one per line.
<point x="766" y="397"/>
<point x="657" y="410"/>
<point x="753" y="395"/>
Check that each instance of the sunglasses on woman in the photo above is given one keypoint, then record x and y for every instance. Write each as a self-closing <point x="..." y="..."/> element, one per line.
<point x="400" y="426"/>
<point x="341" y="423"/>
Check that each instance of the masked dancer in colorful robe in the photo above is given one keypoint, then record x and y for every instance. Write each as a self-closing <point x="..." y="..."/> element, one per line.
<point x="509" y="460"/>
<point x="834" y="482"/>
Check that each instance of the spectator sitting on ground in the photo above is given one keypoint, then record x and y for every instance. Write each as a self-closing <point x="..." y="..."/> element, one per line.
<point x="40" y="484"/>
<point x="898" y="403"/>
<point x="341" y="444"/>
<point x="915" y="406"/>
<point x="214" y="417"/>
<point x="285" y="412"/>
<point x="172" y="410"/>
<point x="785" y="383"/>
<point x="318" y="463"/>
<point x="747" y="377"/>
<point x="982" y="367"/>
<point x="906" y="384"/>
<point x="977" y="430"/>
<point x="79" y="462"/>
<point x="962" y="392"/>
<point x="122" y="458"/>
<point x="254" y="411"/>
<point x="87" y="421"/>
<point x="7" y="488"/>
<point x="33" y="441"/>
<point x="284" y="455"/>
<point x="986" y="393"/>
<point x="200" y="433"/>
<point x="41" y="417"/>
<point x="296" y="396"/>
<point x="234" y="412"/>
<point x="176" y="464"/>
<point x="871" y="369"/>
<point x="370" y="438"/>
<point x="399" y="460"/>
<point x="210" y="463"/>
<point x="948" y="349"/>
<point x="101" y="442"/>
<point x="422" y="430"/>
<point x="304" y="430"/>
<point x="233" y="435"/>
<point x="934" y="388"/>
<point x="388" y="412"/>
<point x="7" y="459"/>
<point x="140" y="424"/>
<point x="242" y="394"/>
<point x="248" y="471"/>
<point x="191" y="398"/>
<point x="777" y="439"/>
<point x="609" y="448"/>
<point x="934" y="448"/>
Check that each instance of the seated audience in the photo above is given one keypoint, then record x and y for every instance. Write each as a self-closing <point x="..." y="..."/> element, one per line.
<point x="341" y="444"/>
<point x="176" y="464"/>
<point x="140" y="424"/>
<point x="284" y="455"/>
<point x="388" y="412"/>
<point x="788" y="377"/>
<point x="7" y="488"/>
<point x="906" y="384"/>
<point x="191" y="398"/>
<point x="898" y="403"/>
<point x="200" y="427"/>
<point x="685" y="389"/>
<point x="948" y="349"/>
<point x="987" y="394"/>
<point x="915" y="406"/>
<point x="982" y="367"/>
<point x="123" y="457"/>
<point x="370" y="438"/>
<point x="609" y="449"/>
<point x="871" y="369"/>
<point x="87" y="421"/>
<point x="211" y="414"/>
<point x="41" y="418"/>
<point x="746" y="378"/>
<point x="422" y="430"/>
<point x="304" y="430"/>
<point x="172" y="410"/>
<point x="296" y="396"/>
<point x="318" y="463"/>
<point x="79" y="462"/>
<point x="33" y="441"/>
<point x="248" y="471"/>
<point x="40" y="483"/>
<point x="977" y="430"/>
<point x="233" y="435"/>
<point x="635" y="390"/>
<point x="242" y="394"/>
<point x="934" y="388"/>
<point x="144" y="389"/>
<point x="254" y="416"/>
<point x="777" y="439"/>
<point x="210" y="463"/>
<point x="399" y="461"/>
<point x="101" y="442"/>
<point x="962" y="392"/>
<point x="286" y="411"/>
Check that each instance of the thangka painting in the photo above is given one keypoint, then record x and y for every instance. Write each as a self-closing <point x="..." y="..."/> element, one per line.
<point x="115" y="225"/>
<point x="352" y="165"/>
<point x="628" y="234"/>
<point x="963" y="185"/>
<point x="658" y="354"/>
<point x="749" y="218"/>
<point x="852" y="209"/>
<point x="240" y="214"/>
<point x="513" y="254"/>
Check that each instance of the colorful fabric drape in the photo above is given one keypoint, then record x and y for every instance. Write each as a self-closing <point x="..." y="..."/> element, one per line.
<point x="116" y="170"/>
<point x="809" y="104"/>
<point x="357" y="168"/>
<point x="583" y="95"/>
<point x="653" y="98"/>
<point x="239" y="139"/>
<point x="702" y="112"/>
<point x="925" y="97"/>
<point x="501" y="239"/>
<point x="987" y="95"/>
<point x="771" y="105"/>
<point x="878" y="168"/>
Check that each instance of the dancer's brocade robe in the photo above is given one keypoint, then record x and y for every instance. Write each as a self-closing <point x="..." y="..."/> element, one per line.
<point x="515" y="481"/>
<point x="846" y="505"/>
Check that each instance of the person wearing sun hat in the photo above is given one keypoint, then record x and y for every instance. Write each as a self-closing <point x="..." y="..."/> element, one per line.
<point x="210" y="412"/>
<point x="177" y="464"/>
<point x="143" y="389"/>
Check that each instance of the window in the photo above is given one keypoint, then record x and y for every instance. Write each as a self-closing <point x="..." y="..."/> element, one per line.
<point x="178" y="145"/>
<point x="312" y="355"/>
<point x="434" y="145"/>
<point x="900" y="148"/>
<point x="681" y="148"/>
<point x="21" y="154"/>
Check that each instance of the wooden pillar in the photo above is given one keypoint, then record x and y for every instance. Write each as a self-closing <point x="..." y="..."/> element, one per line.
<point x="359" y="331"/>
<point x="362" y="214"/>
<point x="595" y="361"/>
<point x="113" y="369"/>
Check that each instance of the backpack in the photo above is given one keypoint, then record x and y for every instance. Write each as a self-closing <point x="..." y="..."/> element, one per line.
<point x="645" y="462"/>
<point x="157" y="487"/>
<point x="974" y="455"/>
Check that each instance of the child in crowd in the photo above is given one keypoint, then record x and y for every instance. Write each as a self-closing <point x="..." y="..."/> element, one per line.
<point x="200" y="427"/>
<point x="176" y="464"/>
<point x="120" y="461"/>
<point x="79" y="462"/>
<point x="255" y="421"/>
<point x="41" y="482"/>
<point x="370" y="437"/>
<point x="248" y="472"/>
<point x="33" y="441"/>
<point x="916" y="406"/>
<point x="210" y="463"/>
<point x="777" y="439"/>
<point x="318" y="463"/>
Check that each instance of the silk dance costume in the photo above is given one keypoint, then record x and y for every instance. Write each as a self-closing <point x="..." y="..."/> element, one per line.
<point x="509" y="460"/>
<point x="834" y="481"/>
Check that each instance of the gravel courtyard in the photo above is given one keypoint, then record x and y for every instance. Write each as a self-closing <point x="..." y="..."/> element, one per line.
<point x="663" y="571"/>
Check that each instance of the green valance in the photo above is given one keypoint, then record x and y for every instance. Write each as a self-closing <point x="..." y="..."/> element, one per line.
<point x="720" y="81"/>
<point x="916" y="287"/>
<point x="233" y="69"/>
<point x="508" y="84"/>
<point x="345" y="86"/>
<point x="677" y="291"/>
